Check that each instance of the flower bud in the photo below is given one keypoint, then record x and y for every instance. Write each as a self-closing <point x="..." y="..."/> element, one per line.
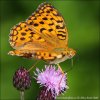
<point x="21" y="79"/>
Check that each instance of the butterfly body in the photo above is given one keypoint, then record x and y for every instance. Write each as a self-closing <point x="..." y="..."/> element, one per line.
<point x="42" y="36"/>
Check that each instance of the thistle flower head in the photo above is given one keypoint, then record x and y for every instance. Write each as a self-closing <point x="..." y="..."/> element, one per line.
<point x="52" y="79"/>
<point x="21" y="79"/>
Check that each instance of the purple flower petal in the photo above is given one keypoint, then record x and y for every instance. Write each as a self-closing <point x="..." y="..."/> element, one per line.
<point x="51" y="78"/>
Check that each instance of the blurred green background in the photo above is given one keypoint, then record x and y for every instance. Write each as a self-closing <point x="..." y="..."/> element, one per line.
<point x="82" y="19"/>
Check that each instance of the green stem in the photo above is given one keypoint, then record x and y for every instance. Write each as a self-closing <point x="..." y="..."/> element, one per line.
<point x="21" y="95"/>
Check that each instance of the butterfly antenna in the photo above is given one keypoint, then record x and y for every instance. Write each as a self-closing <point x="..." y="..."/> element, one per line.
<point x="33" y="66"/>
<point x="72" y="62"/>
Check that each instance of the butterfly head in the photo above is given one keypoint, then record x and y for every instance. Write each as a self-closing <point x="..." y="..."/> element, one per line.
<point x="70" y="53"/>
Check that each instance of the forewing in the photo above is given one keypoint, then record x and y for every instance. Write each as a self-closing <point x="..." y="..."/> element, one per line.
<point x="22" y="37"/>
<point x="42" y="32"/>
<point x="48" y="22"/>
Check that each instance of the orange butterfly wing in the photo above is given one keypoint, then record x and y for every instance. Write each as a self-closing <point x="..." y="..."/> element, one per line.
<point x="49" y="22"/>
<point x="41" y="34"/>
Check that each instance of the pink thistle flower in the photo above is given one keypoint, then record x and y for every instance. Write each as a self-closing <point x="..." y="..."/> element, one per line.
<point x="52" y="79"/>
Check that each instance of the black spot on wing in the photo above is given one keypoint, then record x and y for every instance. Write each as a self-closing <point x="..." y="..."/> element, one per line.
<point x="23" y="33"/>
<point x="50" y="30"/>
<point x="32" y="33"/>
<point x="31" y="23"/>
<point x="35" y="24"/>
<point x="48" y="11"/>
<point x="42" y="29"/>
<point x="27" y="55"/>
<point x="51" y="9"/>
<point x="59" y="21"/>
<point x="22" y="38"/>
<point x="41" y="22"/>
<point x="59" y="27"/>
<point x="44" y="18"/>
<point x="62" y="32"/>
<point x="61" y="36"/>
<point x="51" y="18"/>
<point x="51" y="24"/>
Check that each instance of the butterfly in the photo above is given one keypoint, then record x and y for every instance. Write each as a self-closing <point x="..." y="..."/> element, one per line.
<point x="42" y="36"/>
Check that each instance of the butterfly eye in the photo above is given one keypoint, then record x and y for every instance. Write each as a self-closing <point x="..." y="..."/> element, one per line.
<point x="72" y="53"/>
<point x="69" y="54"/>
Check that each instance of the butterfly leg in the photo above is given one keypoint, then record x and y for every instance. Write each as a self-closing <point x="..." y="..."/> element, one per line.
<point x="33" y="66"/>
<point x="60" y="68"/>
<point x="61" y="72"/>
